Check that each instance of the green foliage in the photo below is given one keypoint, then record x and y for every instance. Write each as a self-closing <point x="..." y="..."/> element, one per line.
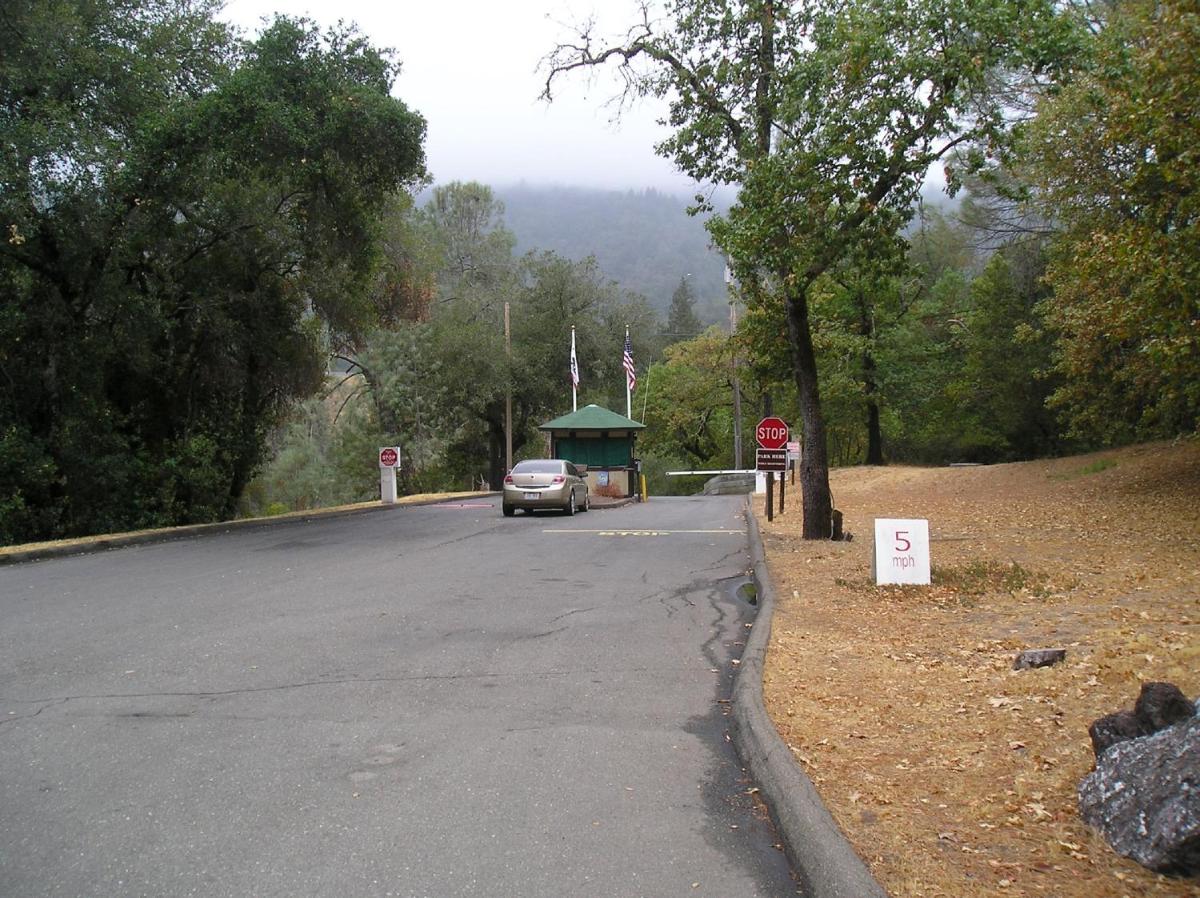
<point x="184" y="218"/>
<point x="828" y="118"/>
<point x="655" y="468"/>
<point x="682" y="321"/>
<point x="978" y="578"/>
<point x="28" y="486"/>
<point x="435" y="383"/>
<point x="316" y="463"/>
<point x="1115" y="156"/>
<point x="963" y="371"/>
<point x="689" y="415"/>
<point x="1095" y="467"/>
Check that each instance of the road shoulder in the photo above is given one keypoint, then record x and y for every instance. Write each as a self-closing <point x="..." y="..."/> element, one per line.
<point x="820" y="854"/>
<point x="86" y="544"/>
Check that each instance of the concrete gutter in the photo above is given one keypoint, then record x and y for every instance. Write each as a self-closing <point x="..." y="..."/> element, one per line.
<point x="601" y="503"/>
<point x="87" y="544"/>
<point x="820" y="854"/>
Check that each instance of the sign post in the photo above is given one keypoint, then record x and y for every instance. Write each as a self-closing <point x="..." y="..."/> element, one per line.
<point x="389" y="460"/>
<point x="772" y="436"/>
<point x="793" y="451"/>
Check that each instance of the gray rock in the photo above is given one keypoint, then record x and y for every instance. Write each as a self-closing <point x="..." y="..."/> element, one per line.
<point x="1031" y="658"/>
<point x="1144" y="798"/>
<point x="1113" y="728"/>
<point x="1160" y="705"/>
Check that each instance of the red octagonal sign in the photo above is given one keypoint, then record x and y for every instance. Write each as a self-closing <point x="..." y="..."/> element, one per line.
<point x="387" y="457"/>
<point x="772" y="433"/>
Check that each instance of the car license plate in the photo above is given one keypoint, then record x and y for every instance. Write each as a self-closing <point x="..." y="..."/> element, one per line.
<point x="533" y="495"/>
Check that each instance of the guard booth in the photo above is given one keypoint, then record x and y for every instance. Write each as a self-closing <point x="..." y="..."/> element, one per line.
<point x="601" y="440"/>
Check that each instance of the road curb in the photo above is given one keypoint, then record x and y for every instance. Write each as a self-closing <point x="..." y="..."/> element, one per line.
<point x="820" y="854"/>
<point x="88" y="545"/>
<point x="606" y="505"/>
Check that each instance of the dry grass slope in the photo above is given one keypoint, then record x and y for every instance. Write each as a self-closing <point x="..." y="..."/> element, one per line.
<point x="953" y="775"/>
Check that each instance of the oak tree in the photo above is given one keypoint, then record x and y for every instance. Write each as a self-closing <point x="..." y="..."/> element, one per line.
<point x="827" y="117"/>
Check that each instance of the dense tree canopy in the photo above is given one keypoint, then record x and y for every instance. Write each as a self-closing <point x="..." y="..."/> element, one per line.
<point x="185" y="217"/>
<point x="1116" y="158"/>
<point x="828" y="118"/>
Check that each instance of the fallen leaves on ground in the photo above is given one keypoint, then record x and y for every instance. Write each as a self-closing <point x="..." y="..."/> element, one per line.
<point x="952" y="774"/>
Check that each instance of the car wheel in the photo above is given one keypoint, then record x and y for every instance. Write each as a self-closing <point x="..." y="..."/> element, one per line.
<point x="571" y="503"/>
<point x="587" y="502"/>
<point x="508" y="510"/>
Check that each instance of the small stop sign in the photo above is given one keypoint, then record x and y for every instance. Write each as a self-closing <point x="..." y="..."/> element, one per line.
<point x="772" y="433"/>
<point x="388" y="457"/>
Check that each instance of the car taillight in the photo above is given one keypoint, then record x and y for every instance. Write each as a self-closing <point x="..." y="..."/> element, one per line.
<point x="558" y="478"/>
<point x="508" y="478"/>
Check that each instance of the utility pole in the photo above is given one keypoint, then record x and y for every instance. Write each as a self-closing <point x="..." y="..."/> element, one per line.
<point x="508" y="395"/>
<point x="737" y="392"/>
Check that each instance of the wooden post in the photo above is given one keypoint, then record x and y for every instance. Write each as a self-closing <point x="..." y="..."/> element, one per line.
<point x="770" y="495"/>
<point x="782" y="488"/>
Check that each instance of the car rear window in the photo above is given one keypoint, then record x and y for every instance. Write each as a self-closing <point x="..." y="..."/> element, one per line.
<point x="538" y="467"/>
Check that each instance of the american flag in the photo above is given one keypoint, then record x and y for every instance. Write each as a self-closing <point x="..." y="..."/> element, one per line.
<point x="627" y="361"/>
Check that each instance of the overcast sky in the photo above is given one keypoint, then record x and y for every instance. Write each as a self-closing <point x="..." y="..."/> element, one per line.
<point x="470" y="67"/>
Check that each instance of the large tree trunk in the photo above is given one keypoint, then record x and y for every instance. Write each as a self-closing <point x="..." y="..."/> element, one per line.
<point x="874" y="434"/>
<point x="814" y="460"/>
<point x="874" y="430"/>
<point x="866" y="328"/>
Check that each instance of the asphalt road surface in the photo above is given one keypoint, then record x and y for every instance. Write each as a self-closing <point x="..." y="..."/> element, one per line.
<point x="429" y="701"/>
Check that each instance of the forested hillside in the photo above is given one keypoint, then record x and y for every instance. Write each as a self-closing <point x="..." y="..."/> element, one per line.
<point x="643" y="240"/>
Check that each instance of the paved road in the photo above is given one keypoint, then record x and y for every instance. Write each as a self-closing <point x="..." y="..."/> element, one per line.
<point x="426" y="701"/>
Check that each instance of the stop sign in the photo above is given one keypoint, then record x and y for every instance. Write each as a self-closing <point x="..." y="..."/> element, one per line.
<point x="388" y="457"/>
<point x="772" y="433"/>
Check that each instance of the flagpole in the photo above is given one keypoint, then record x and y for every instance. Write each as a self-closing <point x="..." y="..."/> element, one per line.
<point x="628" y="392"/>
<point x="574" y="374"/>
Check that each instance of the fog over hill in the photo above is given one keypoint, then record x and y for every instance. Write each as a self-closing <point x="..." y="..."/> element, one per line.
<point x="643" y="240"/>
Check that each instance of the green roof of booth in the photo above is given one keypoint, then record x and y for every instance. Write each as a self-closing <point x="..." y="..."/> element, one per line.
<point x="592" y="417"/>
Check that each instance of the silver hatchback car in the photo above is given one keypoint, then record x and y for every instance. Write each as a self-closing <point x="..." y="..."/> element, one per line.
<point x="545" y="483"/>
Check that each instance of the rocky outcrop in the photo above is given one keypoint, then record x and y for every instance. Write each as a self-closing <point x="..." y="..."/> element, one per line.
<point x="1144" y="795"/>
